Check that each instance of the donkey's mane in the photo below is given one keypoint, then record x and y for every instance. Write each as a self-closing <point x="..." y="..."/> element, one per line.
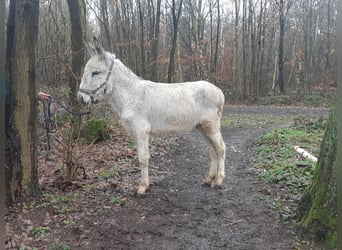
<point x="123" y="69"/>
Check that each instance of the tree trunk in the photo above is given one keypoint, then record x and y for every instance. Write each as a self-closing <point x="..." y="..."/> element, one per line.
<point x="155" y="44"/>
<point x="3" y="93"/>
<point x="105" y="25"/>
<point x="78" y="21"/>
<point x="281" y="47"/>
<point x="21" y="162"/>
<point x="175" y="20"/>
<point x="214" y="68"/>
<point x="244" y="49"/>
<point x="142" y="41"/>
<point x="236" y="78"/>
<point x="317" y="210"/>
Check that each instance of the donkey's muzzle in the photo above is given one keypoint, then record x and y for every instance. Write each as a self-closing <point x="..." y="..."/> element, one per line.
<point x="83" y="98"/>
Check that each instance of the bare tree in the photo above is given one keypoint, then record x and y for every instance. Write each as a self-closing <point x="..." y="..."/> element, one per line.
<point x="77" y="16"/>
<point x="155" y="43"/>
<point x="175" y="20"/>
<point x="283" y="9"/>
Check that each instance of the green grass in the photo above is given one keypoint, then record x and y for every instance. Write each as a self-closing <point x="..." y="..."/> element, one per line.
<point x="279" y="164"/>
<point x="40" y="231"/>
<point x="115" y="200"/>
<point x="250" y="121"/>
<point x="109" y="173"/>
<point x="61" y="203"/>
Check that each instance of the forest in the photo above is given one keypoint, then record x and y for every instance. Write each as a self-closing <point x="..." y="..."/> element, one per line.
<point x="71" y="171"/>
<point x="249" y="48"/>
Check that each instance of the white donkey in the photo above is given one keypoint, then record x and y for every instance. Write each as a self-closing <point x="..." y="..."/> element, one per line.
<point x="147" y="107"/>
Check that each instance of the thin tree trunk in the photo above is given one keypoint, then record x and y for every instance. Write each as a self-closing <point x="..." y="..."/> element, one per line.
<point x="105" y="24"/>
<point x="281" y="47"/>
<point x="217" y="37"/>
<point x="244" y="49"/>
<point x="175" y="20"/>
<point x="142" y="42"/>
<point x="252" y="80"/>
<point x="236" y="80"/>
<point x="155" y="44"/>
<point x="78" y="21"/>
<point x="260" y="48"/>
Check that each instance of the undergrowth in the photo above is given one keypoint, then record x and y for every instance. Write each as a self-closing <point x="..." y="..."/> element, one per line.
<point x="279" y="164"/>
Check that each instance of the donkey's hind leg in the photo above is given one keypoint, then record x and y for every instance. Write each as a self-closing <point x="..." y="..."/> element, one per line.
<point x="213" y="159"/>
<point x="212" y="133"/>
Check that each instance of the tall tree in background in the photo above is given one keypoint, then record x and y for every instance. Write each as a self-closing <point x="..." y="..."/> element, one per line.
<point x="142" y="39"/>
<point x="104" y="25"/>
<point x="155" y="44"/>
<point x="21" y="162"/>
<point x="77" y="12"/>
<point x="283" y="8"/>
<point x="176" y="13"/>
<point x="218" y="27"/>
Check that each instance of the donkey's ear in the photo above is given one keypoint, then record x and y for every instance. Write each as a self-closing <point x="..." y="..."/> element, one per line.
<point x="90" y="48"/>
<point x="98" y="48"/>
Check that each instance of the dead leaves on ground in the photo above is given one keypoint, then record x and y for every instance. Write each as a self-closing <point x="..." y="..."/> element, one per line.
<point x="105" y="173"/>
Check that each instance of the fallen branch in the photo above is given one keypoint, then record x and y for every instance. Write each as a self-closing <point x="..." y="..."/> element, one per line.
<point x="305" y="154"/>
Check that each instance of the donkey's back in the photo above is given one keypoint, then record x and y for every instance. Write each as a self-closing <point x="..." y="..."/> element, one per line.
<point x="180" y="106"/>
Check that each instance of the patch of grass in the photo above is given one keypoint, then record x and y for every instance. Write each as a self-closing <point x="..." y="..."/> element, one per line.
<point x="40" y="231"/>
<point x="130" y="144"/>
<point x="251" y="121"/>
<point x="34" y="205"/>
<point x="280" y="164"/>
<point x="115" y="200"/>
<point x="226" y="122"/>
<point x="62" y="246"/>
<point x="61" y="203"/>
<point x="67" y="222"/>
<point x="105" y="175"/>
<point x="300" y="244"/>
<point x="109" y="173"/>
<point x="65" y="198"/>
<point x="278" y="161"/>
<point x="22" y="247"/>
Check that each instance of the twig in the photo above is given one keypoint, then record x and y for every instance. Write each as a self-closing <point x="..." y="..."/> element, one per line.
<point x="232" y="223"/>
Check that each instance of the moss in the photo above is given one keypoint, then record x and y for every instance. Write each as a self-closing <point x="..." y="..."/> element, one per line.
<point x="317" y="209"/>
<point x="94" y="131"/>
<point x="332" y="240"/>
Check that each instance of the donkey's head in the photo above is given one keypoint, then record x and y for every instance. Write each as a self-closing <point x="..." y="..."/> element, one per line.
<point x="94" y="86"/>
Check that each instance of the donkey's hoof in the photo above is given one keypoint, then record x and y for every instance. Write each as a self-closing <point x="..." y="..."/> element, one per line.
<point x="141" y="191"/>
<point x="218" y="184"/>
<point x="206" y="184"/>
<point x="140" y="195"/>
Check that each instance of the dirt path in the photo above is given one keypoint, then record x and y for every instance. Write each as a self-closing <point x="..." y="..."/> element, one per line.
<point x="178" y="213"/>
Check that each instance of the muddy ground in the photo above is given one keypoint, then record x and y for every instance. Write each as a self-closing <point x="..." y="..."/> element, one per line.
<point x="177" y="212"/>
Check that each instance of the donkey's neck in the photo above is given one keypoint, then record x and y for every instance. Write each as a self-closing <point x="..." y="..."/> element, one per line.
<point x="127" y="89"/>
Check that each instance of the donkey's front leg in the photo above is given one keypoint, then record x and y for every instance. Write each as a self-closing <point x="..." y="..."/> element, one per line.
<point x="143" y="157"/>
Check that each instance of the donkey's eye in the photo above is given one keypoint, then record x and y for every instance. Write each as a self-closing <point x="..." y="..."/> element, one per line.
<point x="95" y="73"/>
